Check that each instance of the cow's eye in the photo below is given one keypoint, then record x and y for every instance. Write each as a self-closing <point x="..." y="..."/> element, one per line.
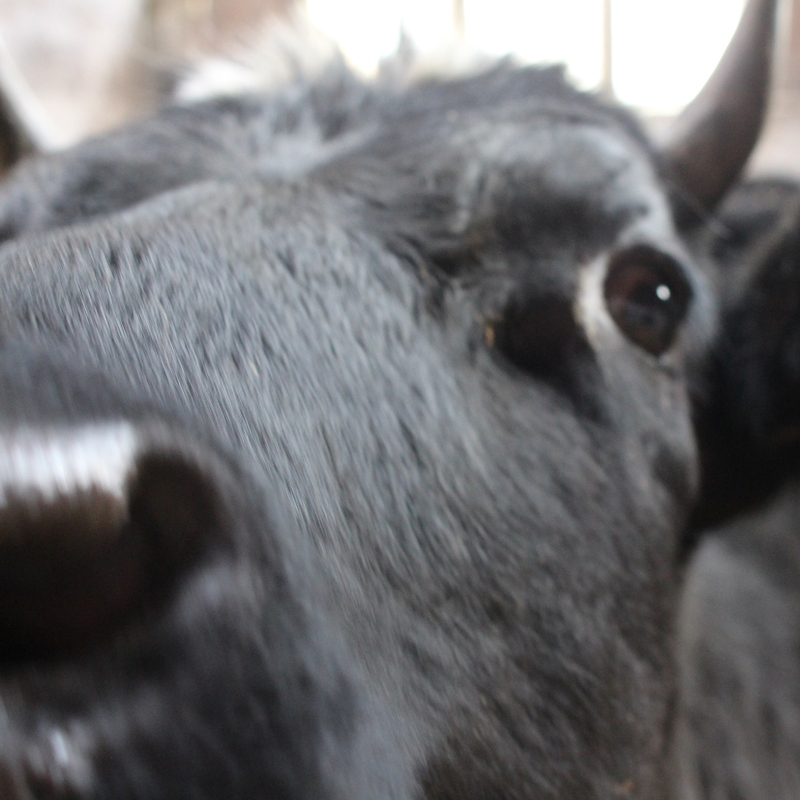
<point x="647" y="295"/>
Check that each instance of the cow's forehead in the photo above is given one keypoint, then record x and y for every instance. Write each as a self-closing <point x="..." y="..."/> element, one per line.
<point x="582" y="166"/>
<point x="530" y="177"/>
<point x="593" y="161"/>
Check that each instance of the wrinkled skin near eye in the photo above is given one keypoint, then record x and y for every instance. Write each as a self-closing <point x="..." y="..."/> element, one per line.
<point x="647" y="296"/>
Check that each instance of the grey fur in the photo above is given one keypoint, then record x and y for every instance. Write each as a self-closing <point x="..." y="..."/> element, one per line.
<point x="739" y="730"/>
<point x="740" y="659"/>
<point x="477" y="562"/>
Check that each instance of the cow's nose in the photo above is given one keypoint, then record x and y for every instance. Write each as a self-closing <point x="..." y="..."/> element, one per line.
<point x="96" y="523"/>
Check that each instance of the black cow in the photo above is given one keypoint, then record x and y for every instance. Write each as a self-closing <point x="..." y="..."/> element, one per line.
<point x="345" y="445"/>
<point x="739" y="734"/>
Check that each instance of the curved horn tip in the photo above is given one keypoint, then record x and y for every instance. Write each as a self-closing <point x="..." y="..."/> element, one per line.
<point x="707" y="147"/>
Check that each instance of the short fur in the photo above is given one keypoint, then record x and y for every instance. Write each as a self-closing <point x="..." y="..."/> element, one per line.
<point x="739" y="732"/>
<point x="481" y="553"/>
<point x="739" y="735"/>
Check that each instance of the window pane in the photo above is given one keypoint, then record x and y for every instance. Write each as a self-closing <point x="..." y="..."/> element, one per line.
<point x="568" y="31"/>
<point x="664" y="50"/>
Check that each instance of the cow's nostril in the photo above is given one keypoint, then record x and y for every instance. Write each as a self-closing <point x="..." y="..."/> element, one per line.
<point x="93" y="528"/>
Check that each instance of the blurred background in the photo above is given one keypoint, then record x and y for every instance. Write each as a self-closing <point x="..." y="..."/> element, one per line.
<point x="89" y="65"/>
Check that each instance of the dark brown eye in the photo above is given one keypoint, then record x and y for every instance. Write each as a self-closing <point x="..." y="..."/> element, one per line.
<point x="647" y="295"/>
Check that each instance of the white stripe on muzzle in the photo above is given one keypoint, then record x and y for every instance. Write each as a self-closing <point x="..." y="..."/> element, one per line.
<point x="48" y="463"/>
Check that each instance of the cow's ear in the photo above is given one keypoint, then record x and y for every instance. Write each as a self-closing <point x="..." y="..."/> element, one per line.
<point x="23" y="128"/>
<point x="707" y="147"/>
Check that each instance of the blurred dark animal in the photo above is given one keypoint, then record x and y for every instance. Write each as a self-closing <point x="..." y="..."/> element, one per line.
<point x="345" y="441"/>
<point x="739" y="735"/>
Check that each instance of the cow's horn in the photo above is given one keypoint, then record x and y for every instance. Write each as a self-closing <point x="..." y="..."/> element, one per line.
<point x="23" y="126"/>
<point x="707" y="146"/>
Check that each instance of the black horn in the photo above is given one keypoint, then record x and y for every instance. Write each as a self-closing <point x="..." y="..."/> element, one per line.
<point x="710" y="142"/>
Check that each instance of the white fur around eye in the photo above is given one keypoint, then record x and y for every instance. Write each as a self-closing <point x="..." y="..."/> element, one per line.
<point x="591" y="311"/>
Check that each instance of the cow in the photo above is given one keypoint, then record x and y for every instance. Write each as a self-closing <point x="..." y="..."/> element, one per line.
<point x="346" y="446"/>
<point x="739" y="723"/>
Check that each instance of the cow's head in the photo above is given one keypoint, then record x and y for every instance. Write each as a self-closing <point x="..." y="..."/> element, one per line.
<point x="345" y="447"/>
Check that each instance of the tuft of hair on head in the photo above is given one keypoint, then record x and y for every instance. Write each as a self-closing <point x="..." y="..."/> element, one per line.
<point x="291" y="49"/>
<point x="451" y="58"/>
<point x="280" y="53"/>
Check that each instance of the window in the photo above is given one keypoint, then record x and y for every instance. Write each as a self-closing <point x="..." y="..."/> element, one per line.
<point x="661" y="51"/>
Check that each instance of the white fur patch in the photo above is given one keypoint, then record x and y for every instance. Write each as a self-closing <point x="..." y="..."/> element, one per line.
<point x="279" y="54"/>
<point x="590" y="310"/>
<point x="294" y="49"/>
<point x="52" y="463"/>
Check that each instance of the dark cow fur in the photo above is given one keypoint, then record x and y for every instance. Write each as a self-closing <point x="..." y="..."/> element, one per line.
<point x="748" y="416"/>
<point x="406" y="518"/>
<point x="739" y="730"/>
<point x="739" y="735"/>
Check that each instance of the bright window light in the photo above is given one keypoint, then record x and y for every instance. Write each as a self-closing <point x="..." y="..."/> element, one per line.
<point x="662" y="50"/>
<point x="566" y="31"/>
<point x="369" y="30"/>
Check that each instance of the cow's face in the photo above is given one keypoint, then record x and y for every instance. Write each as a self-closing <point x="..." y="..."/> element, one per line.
<point x="356" y="481"/>
<point x="456" y="357"/>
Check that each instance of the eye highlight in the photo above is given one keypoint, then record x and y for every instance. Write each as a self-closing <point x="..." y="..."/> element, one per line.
<point x="647" y="295"/>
